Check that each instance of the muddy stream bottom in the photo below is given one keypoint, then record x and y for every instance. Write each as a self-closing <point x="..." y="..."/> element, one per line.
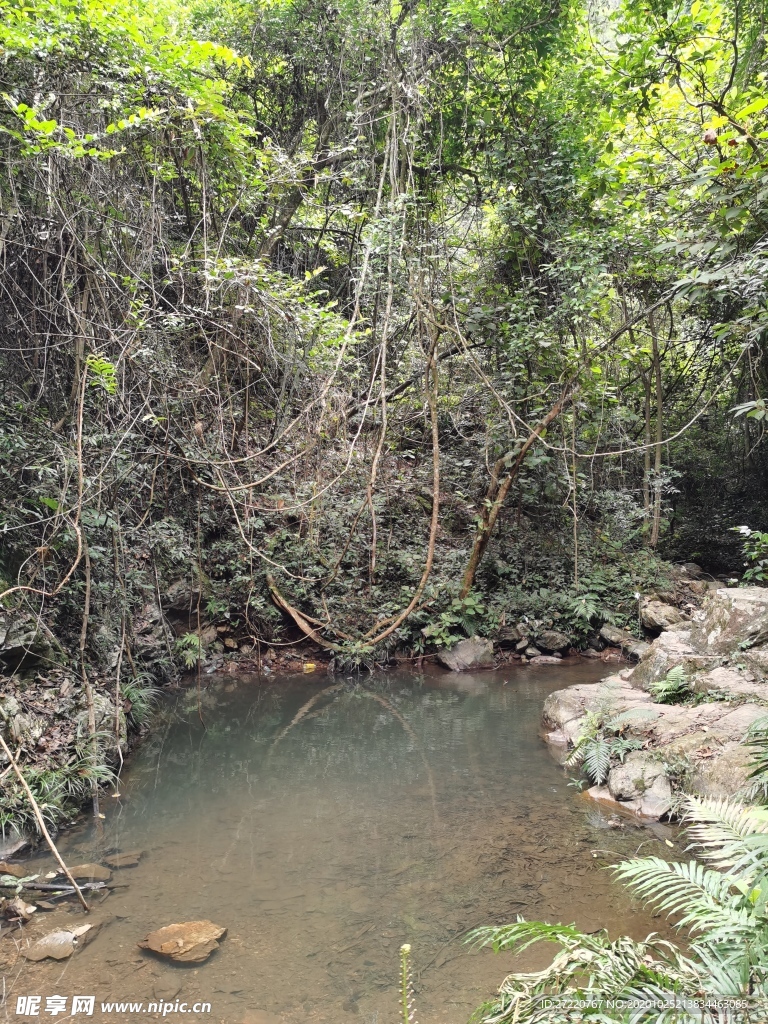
<point x="324" y="823"/>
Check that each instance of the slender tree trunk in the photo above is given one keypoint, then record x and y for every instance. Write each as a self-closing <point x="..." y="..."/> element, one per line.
<point x="497" y="493"/>
<point x="659" y="433"/>
<point x="647" y="457"/>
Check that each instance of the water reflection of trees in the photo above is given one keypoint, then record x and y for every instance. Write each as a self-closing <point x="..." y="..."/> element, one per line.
<point x="384" y="732"/>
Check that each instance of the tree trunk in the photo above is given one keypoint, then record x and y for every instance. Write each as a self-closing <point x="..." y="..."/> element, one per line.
<point x="647" y="456"/>
<point x="497" y="493"/>
<point x="659" y="433"/>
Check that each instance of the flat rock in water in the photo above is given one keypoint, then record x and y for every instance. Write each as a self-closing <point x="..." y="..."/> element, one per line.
<point x="60" y="944"/>
<point x="90" y="873"/>
<point x="545" y="659"/>
<point x="17" y="870"/>
<point x="188" y="941"/>
<point x="20" y="909"/>
<point x="124" y="860"/>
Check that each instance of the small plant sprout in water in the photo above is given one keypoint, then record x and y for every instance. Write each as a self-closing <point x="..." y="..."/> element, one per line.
<point x="407" y="1004"/>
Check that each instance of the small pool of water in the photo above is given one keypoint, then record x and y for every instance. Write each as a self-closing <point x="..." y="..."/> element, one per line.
<point x="326" y="822"/>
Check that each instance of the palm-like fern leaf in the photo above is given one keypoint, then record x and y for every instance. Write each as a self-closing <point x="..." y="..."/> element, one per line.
<point x="720" y="829"/>
<point x="597" y="760"/>
<point x="704" y="897"/>
<point x="589" y="968"/>
<point x="725" y="909"/>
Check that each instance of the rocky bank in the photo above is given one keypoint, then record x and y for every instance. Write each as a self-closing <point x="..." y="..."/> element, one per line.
<point x="696" y="745"/>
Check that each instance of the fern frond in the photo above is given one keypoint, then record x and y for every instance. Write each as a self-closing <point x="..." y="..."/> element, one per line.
<point x="721" y="828"/>
<point x="628" y="717"/>
<point x="597" y="760"/>
<point x="702" y="896"/>
<point x="522" y="934"/>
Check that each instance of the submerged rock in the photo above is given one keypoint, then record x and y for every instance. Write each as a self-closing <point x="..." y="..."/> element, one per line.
<point x="17" y="870"/>
<point x="90" y="873"/>
<point x="18" y="908"/>
<point x="60" y="944"/>
<point x="124" y="860"/>
<point x="468" y="655"/>
<point x="187" y="942"/>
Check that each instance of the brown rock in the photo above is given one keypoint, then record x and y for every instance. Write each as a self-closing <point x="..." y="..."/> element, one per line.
<point x="129" y="859"/>
<point x="90" y="873"/>
<point x="656" y="615"/>
<point x="188" y="942"/>
<point x="17" y="870"/>
<point x="629" y="644"/>
<point x="553" y="640"/>
<point x="19" y="908"/>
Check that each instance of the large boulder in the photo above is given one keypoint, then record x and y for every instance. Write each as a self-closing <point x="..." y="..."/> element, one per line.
<point x="629" y="644"/>
<point x="630" y="780"/>
<point x="565" y="710"/>
<point x="733" y="618"/>
<point x="720" y="770"/>
<point x="667" y="652"/>
<point x="468" y="655"/>
<point x="656" y="616"/>
<point x="553" y="640"/>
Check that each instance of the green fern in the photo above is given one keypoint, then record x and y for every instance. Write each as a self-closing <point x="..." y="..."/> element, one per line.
<point x="597" y="760"/>
<point x="758" y="762"/>
<point x="723" y="907"/>
<point x="672" y="689"/>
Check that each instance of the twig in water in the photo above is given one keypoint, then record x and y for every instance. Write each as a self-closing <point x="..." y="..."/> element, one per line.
<point x="41" y="823"/>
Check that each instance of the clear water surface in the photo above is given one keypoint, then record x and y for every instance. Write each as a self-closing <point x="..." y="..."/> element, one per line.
<point x="324" y="823"/>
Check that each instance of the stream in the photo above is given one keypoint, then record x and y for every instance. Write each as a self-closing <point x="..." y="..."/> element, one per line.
<point x="325" y="822"/>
